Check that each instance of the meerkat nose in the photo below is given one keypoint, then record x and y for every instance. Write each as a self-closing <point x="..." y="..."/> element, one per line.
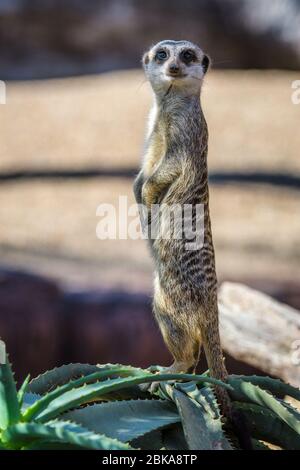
<point x="174" y="69"/>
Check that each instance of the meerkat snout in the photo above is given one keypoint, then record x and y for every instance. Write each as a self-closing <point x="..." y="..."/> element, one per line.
<point x="174" y="69"/>
<point x="180" y="65"/>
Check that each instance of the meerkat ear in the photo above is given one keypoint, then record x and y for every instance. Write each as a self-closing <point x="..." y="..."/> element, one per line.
<point x="145" y="58"/>
<point x="206" y="63"/>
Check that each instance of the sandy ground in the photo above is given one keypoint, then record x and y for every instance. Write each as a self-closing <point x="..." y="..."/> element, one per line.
<point x="50" y="227"/>
<point x="100" y="121"/>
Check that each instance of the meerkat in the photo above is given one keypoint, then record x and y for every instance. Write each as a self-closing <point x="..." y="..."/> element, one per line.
<point x="174" y="172"/>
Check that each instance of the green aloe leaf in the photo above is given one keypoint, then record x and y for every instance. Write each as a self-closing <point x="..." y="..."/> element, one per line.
<point x="44" y="401"/>
<point x="56" y="403"/>
<point x="59" y="376"/>
<point x="125" y="420"/>
<point x="51" y="445"/>
<point x="203" y="396"/>
<point x="173" y="438"/>
<point x="246" y="391"/>
<point x="22" y="390"/>
<point x="22" y="434"/>
<point x="29" y="399"/>
<point x="265" y="425"/>
<point x="275" y="386"/>
<point x="202" y="432"/>
<point x="150" y="441"/>
<point x="9" y="404"/>
<point x="258" y="445"/>
<point x="295" y="412"/>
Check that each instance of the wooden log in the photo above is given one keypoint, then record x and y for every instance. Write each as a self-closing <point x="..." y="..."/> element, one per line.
<point x="260" y="331"/>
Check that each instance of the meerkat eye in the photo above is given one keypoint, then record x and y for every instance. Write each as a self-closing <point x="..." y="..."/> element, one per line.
<point x="188" y="56"/>
<point x="161" y="55"/>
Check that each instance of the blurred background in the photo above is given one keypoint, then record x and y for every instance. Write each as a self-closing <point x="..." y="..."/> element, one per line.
<point x="71" y="134"/>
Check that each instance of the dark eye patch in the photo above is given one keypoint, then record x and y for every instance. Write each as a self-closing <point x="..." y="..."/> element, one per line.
<point x="161" y="55"/>
<point x="188" y="56"/>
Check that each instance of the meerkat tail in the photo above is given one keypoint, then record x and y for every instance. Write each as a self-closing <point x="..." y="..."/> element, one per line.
<point x="215" y="360"/>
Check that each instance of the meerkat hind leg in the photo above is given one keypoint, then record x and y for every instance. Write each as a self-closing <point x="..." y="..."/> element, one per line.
<point x="182" y="344"/>
<point x="183" y="347"/>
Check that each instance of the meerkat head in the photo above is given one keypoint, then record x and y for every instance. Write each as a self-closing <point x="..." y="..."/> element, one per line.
<point x="176" y="65"/>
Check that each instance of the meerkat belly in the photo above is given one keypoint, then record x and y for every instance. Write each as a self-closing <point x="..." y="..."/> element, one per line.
<point x="155" y="152"/>
<point x="186" y="276"/>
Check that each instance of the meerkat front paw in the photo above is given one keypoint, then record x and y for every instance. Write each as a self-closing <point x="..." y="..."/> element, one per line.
<point x="149" y="194"/>
<point x="175" y="368"/>
<point x="149" y="387"/>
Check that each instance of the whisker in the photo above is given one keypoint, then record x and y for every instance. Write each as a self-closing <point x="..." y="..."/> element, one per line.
<point x="228" y="61"/>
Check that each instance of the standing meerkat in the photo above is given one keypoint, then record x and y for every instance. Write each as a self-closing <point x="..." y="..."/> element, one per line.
<point x="174" y="171"/>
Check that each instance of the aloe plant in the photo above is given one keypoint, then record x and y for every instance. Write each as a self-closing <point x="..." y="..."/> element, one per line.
<point x="81" y="406"/>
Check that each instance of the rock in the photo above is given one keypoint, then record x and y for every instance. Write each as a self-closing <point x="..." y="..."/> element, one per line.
<point x="260" y="331"/>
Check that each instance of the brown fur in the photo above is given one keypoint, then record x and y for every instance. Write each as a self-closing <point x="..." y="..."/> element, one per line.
<point x="174" y="171"/>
